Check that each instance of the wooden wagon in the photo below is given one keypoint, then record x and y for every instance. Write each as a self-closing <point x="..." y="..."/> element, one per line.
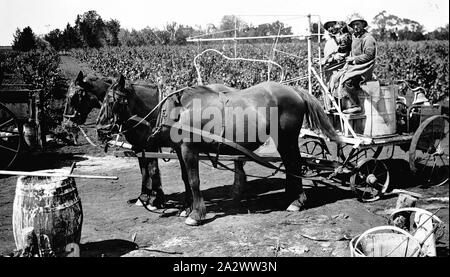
<point x="388" y="120"/>
<point x="21" y="124"/>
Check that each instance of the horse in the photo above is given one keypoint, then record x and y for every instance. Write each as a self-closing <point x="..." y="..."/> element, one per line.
<point x="84" y="94"/>
<point x="267" y="106"/>
<point x="87" y="93"/>
<point x="133" y="108"/>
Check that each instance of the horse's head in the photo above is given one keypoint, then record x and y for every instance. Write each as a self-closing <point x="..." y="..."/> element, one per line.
<point x="114" y="110"/>
<point x="79" y="101"/>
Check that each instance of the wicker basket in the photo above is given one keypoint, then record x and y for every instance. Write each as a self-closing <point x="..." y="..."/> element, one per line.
<point x="383" y="242"/>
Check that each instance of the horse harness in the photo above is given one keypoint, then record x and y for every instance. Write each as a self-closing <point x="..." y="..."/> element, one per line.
<point x="160" y="123"/>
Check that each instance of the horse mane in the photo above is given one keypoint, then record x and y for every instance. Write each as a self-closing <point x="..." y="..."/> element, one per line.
<point x="140" y="83"/>
<point x="201" y="89"/>
<point x="94" y="78"/>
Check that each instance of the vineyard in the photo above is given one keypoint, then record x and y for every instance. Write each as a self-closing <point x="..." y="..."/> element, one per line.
<point x="424" y="62"/>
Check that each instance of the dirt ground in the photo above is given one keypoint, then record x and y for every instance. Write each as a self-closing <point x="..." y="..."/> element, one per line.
<point x="258" y="226"/>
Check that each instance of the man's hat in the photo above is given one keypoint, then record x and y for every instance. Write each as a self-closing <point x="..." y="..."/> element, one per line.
<point x="328" y="24"/>
<point x="355" y="18"/>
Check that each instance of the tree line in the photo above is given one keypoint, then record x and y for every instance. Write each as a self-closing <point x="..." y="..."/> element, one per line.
<point x="90" y="30"/>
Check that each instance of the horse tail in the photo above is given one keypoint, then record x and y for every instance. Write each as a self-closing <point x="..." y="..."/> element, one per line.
<point x="316" y="116"/>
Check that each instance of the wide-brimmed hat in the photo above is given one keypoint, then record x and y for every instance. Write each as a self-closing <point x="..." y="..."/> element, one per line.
<point x="329" y="23"/>
<point x="355" y="18"/>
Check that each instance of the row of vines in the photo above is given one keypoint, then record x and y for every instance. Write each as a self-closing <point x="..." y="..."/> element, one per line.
<point x="426" y="63"/>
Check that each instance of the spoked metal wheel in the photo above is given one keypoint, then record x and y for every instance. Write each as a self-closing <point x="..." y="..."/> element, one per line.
<point x="359" y="155"/>
<point x="429" y="151"/>
<point x="370" y="180"/>
<point x="10" y="137"/>
<point x="314" y="148"/>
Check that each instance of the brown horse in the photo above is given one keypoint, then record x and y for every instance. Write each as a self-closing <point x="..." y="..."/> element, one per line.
<point x="84" y="94"/>
<point x="201" y="119"/>
<point x="87" y="93"/>
<point x="133" y="108"/>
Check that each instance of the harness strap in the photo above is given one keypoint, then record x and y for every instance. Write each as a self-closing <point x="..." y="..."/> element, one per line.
<point x="234" y="145"/>
<point x="224" y="101"/>
<point x="140" y="120"/>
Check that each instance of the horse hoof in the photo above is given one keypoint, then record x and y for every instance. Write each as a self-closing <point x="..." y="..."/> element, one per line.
<point x="184" y="214"/>
<point x="293" y="208"/>
<point x="138" y="203"/>
<point x="151" y="208"/>
<point x="191" y="222"/>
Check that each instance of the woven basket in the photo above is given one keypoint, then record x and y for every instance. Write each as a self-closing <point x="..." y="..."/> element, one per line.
<point x="383" y="242"/>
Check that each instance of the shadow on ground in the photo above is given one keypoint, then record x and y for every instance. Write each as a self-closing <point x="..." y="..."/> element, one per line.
<point x="46" y="160"/>
<point x="107" y="248"/>
<point x="267" y="195"/>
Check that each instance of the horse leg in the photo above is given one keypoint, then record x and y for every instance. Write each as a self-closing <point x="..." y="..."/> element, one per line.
<point x="188" y="193"/>
<point x="157" y="198"/>
<point x="190" y="158"/>
<point x="239" y="181"/>
<point x="290" y="155"/>
<point x="152" y="195"/>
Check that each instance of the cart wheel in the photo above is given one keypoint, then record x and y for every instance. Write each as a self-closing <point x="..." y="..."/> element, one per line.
<point x="370" y="180"/>
<point x="314" y="148"/>
<point x="359" y="155"/>
<point x="317" y="149"/>
<point x="429" y="151"/>
<point x="10" y="137"/>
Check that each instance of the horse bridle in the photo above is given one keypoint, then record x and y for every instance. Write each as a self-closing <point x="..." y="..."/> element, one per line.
<point x="75" y="110"/>
<point x="120" y="98"/>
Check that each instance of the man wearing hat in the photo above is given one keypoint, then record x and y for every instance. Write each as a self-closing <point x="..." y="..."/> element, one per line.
<point x="338" y="45"/>
<point x="337" y="48"/>
<point x="359" y="67"/>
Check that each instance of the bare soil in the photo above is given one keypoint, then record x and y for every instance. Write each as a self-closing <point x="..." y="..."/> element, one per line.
<point x="258" y="226"/>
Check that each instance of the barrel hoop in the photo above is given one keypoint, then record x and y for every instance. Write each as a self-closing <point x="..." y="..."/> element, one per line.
<point x="57" y="208"/>
<point x="31" y="192"/>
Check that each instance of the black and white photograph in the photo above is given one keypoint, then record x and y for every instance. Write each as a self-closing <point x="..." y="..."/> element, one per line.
<point x="241" y="132"/>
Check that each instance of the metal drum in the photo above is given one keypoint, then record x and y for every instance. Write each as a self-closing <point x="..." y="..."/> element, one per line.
<point x="379" y="106"/>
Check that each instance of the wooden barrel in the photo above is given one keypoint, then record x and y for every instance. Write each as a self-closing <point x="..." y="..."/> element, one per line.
<point x="379" y="106"/>
<point x="52" y="207"/>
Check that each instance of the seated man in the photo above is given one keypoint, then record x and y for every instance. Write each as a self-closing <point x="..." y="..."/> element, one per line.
<point x="359" y="67"/>
<point x="337" y="48"/>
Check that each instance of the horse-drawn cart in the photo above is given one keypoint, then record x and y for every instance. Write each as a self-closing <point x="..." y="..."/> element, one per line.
<point x="387" y="120"/>
<point x="21" y="128"/>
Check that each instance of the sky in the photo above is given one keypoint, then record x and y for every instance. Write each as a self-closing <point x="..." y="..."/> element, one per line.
<point x="45" y="15"/>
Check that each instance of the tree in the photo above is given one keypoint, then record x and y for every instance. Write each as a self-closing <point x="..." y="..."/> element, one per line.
<point x="230" y="23"/>
<point x="392" y="27"/>
<point x="149" y="36"/>
<point x="182" y="33"/>
<point x="112" y="32"/>
<point x="440" y="33"/>
<point x="55" y="38"/>
<point x="71" y="37"/>
<point x="92" y="29"/>
<point x="24" y="40"/>
<point x="164" y="36"/>
<point x="171" y="28"/>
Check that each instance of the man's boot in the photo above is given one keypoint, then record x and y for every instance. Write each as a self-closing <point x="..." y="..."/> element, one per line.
<point x="352" y="90"/>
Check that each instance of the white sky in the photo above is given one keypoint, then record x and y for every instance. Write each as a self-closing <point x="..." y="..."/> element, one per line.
<point x="45" y="15"/>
